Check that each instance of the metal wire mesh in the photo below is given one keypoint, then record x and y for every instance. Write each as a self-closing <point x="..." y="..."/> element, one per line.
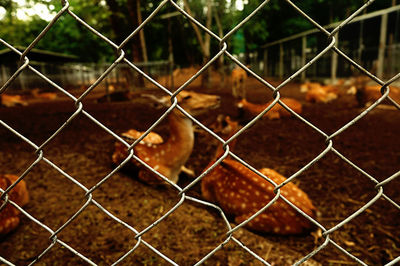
<point x="181" y="191"/>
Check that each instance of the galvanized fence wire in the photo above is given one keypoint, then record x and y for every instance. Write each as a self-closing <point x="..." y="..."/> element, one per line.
<point x="41" y="156"/>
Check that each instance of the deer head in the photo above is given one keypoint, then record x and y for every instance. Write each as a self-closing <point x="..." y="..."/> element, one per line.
<point x="167" y="158"/>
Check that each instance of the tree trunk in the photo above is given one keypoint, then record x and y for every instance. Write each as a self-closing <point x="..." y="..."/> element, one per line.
<point x="117" y="24"/>
<point x="221" y="68"/>
<point x="137" y="54"/>
<point x="141" y="33"/>
<point x="204" y="42"/>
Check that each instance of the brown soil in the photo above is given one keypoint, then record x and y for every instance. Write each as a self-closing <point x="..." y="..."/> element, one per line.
<point x="83" y="150"/>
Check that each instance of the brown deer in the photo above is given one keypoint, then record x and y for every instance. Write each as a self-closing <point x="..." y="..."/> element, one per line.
<point x="276" y="112"/>
<point x="8" y="100"/>
<point x="9" y="215"/>
<point x="238" y="78"/>
<point x="44" y="95"/>
<point x="167" y="158"/>
<point x="366" y="93"/>
<point x="316" y="92"/>
<point x="241" y="192"/>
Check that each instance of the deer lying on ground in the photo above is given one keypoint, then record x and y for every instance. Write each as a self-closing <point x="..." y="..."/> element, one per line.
<point x="8" y="100"/>
<point x="152" y="138"/>
<point x="275" y="112"/>
<point x="43" y="95"/>
<point x="238" y="78"/>
<point x="9" y="215"/>
<point x="240" y="193"/>
<point x="367" y="94"/>
<point x="316" y="92"/>
<point x="167" y="158"/>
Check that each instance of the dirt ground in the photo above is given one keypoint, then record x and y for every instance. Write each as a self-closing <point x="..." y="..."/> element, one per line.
<point x="83" y="150"/>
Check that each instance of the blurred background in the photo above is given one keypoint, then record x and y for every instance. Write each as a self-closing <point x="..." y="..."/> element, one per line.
<point x="275" y="43"/>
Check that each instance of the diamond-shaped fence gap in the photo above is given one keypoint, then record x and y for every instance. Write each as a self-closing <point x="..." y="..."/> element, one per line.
<point x="14" y="248"/>
<point x="37" y="124"/>
<point x="361" y="145"/>
<point x="378" y="226"/>
<point x="312" y="45"/>
<point x="362" y="236"/>
<point x="93" y="232"/>
<point x="44" y="177"/>
<point x="275" y="154"/>
<point x="263" y="246"/>
<point x="197" y="236"/>
<point x="350" y="190"/>
<point x="16" y="155"/>
<point x="82" y="148"/>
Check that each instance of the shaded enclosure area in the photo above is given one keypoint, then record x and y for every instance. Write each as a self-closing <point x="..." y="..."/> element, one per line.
<point x="83" y="150"/>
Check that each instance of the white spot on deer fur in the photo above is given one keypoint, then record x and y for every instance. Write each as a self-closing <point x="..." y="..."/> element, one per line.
<point x="162" y="152"/>
<point x="249" y="187"/>
<point x="277" y="229"/>
<point x="257" y="193"/>
<point x="243" y="206"/>
<point x="292" y="199"/>
<point x="147" y="159"/>
<point x="232" y="194"/>
<point x="287" y="228"/>
<point x="156" y="167"/>
<point x="291" y="213"/>
<point x="299" y="194"/>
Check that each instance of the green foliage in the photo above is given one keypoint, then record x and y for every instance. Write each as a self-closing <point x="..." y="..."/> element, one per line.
<point x="276" y="20"/>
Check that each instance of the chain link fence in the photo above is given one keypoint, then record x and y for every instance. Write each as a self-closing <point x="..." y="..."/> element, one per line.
<point x="182" y="191"/>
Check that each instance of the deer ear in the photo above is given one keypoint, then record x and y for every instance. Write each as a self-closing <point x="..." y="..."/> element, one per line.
<point x="159" y="102"/>
<point x="165" y="101"/>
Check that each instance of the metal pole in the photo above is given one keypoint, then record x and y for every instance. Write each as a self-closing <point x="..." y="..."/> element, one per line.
<point x="303" y="56"/>
<point x="265" y="62"/>
<point x="280" y="74"/>
<point x="382" y="46"/>
<point x="334" y="60"/>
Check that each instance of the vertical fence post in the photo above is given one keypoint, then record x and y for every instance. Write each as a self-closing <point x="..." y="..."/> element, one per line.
<point x="334" y="60"/>
<point x="3" y="75"/>
<point x="280" y="72"/>
<point x="303" y="55"/>
<point x="382" y="46"/>
<point x="266" y="62"/>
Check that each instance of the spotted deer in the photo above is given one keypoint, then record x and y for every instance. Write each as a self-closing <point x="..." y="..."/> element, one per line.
<point x="238" y="78"/>
<point x="9" y="215"/>
<point x="241" y="192"/>
<point x="168" y="157"/>
<point x="276" y="112"/>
